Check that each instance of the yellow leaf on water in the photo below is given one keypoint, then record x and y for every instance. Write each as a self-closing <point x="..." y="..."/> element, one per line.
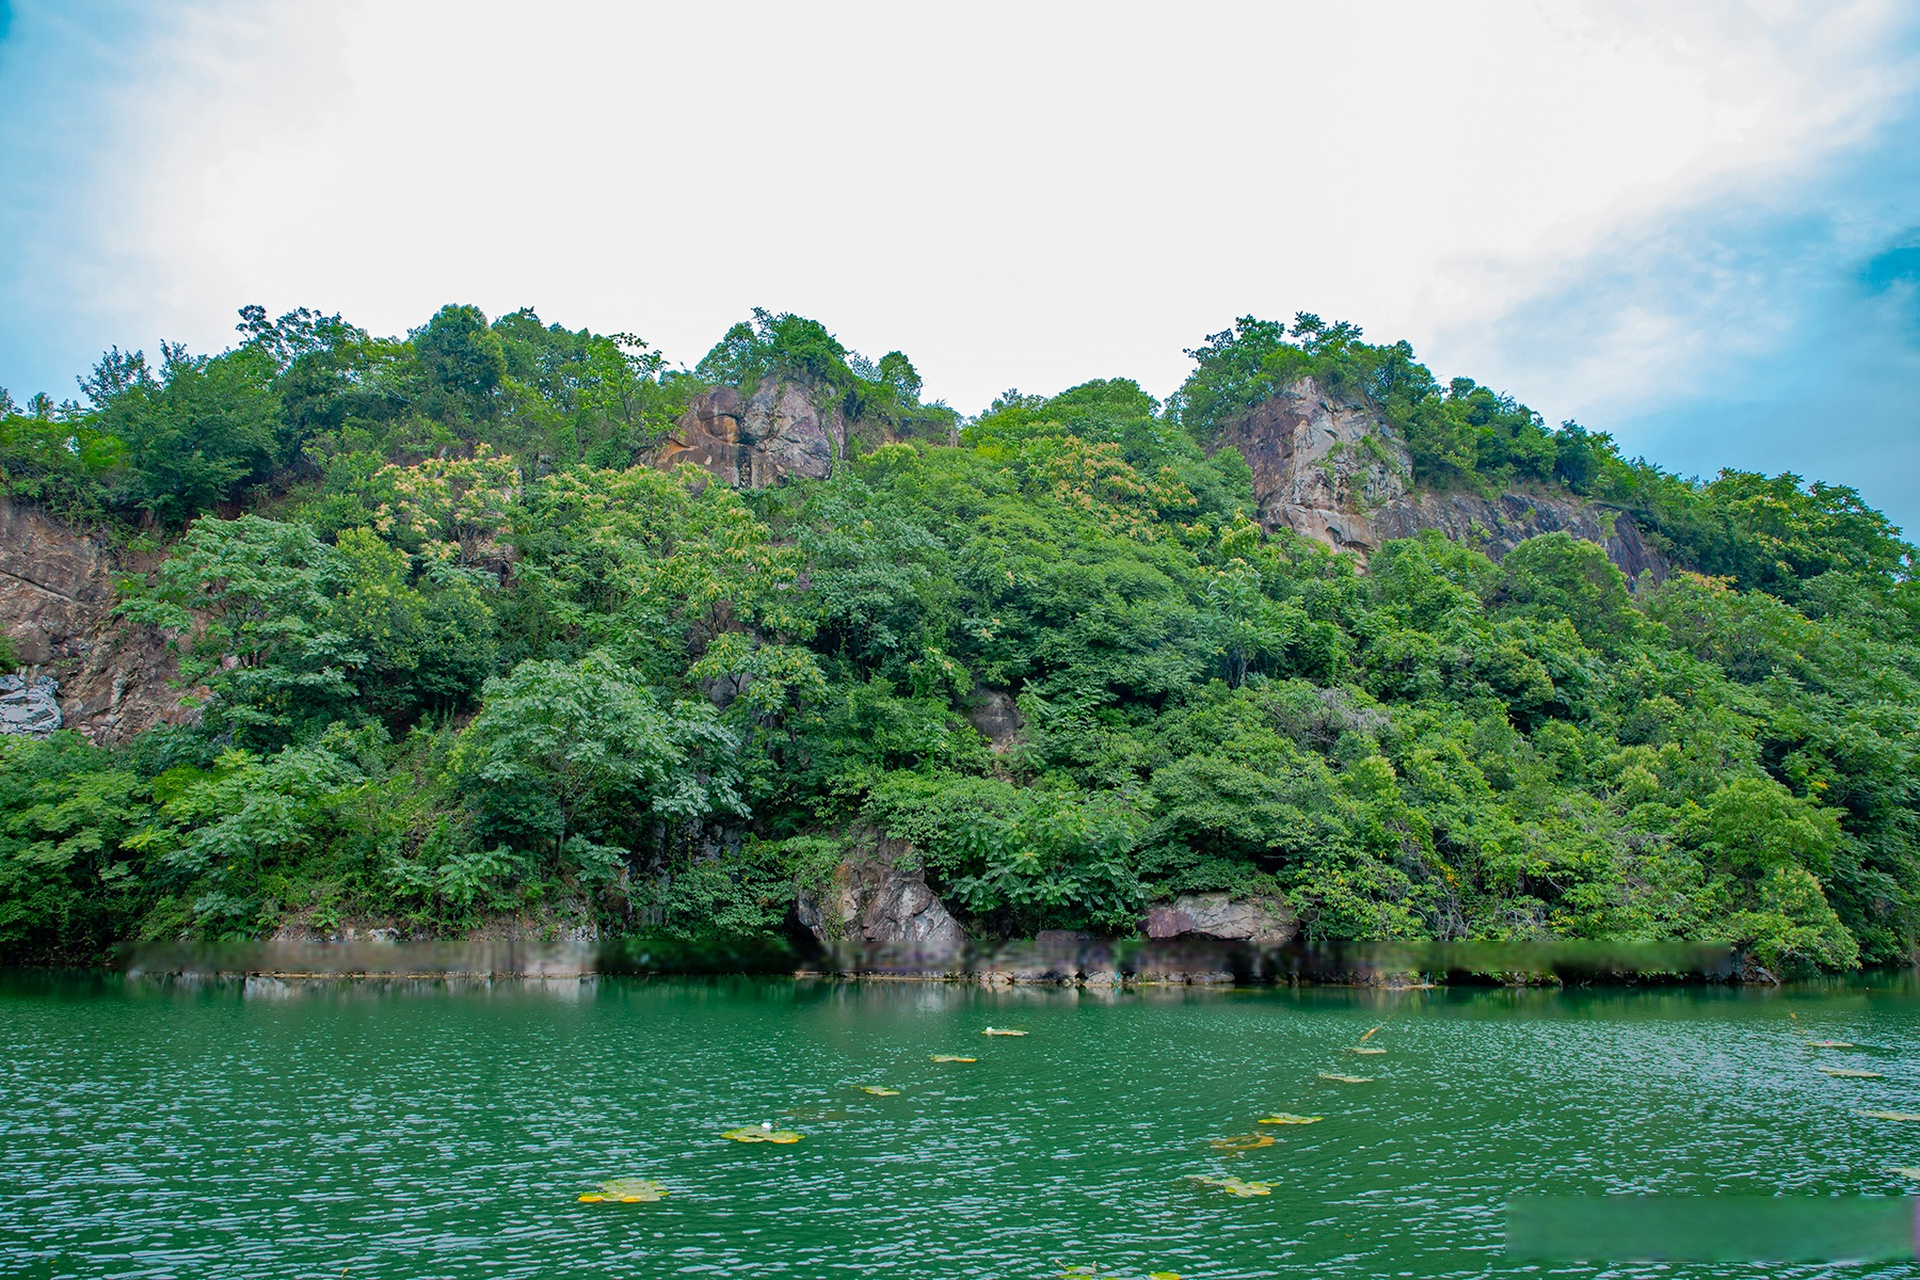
<point x="1369" y="1035"/>
<point x="1363" y="1049"/>
<point x="1287" y="1117"/>
<point x="1002" y="1031"/>
<point x="879" y="1091"/>
<point x="1233" y="1186"/>
<point x="1849" y="1073"/>
<point x="632" y="1190"/>
<point x="1911" y="1117"/>
<point x="1343" y="1079"/>
<point x="950" y="1057"/>
<point x="1163" y="1275"/>
<point x="757" y="1133"/>
<point x="591" y="1198"/>
<point x="1241" y="1142"/>
<point x="1831" y="1044"/>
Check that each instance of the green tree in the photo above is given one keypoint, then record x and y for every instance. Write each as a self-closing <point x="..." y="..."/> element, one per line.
<point x="66" y="884"/>
<point x="582" y="759"/>
<point x="194" y="436"/>
<point x="461" y="360"/>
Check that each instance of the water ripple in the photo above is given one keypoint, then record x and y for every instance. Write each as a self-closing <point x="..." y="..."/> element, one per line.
<point x="430" y="1130"/>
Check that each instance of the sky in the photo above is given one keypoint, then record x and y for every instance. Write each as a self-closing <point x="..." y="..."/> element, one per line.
<point x="1695" y="226"/>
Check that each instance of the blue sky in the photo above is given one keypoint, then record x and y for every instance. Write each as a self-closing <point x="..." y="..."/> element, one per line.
<point x="1694" y="226"/>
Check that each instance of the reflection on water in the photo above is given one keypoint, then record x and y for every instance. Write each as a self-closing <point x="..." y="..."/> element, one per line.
<point x="447" y="1126"/>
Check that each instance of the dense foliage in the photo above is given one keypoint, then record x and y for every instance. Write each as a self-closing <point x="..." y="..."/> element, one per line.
<point x="462" y="652"/>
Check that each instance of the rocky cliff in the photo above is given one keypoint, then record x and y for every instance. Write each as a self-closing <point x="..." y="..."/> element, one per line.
<point x="754" y="440"/>
<point x="56" y="611"/>
<point x="778" y="429"/>
<point x="1337" y="472"/>
<point x="876" y="915"/>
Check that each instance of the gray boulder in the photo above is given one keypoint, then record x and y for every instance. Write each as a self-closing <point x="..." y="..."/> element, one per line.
<point x="1262" y="921"/>
<point x="997" y="718"/>
<point x="28" y="708"/>
<point x="1054" y="955"/>
<point x="874" y="915"/>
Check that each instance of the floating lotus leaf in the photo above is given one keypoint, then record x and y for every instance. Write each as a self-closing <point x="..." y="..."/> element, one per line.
<point x="758" y="1133"/>
<point x="1850" y="1073"/>
<point x="1344" y="1079"/>
<point x="1364" y="1049"/>
<point x="632" y="1190"/>
<point x="1241" y="1142"/>
<point x="1002" y="1031"/>
<point x="1287" y="1117"/>
<point x="1907" y="1173"/>
<point x="1234" y="1186"/>
<point x="950" y="1057"/>
<point x="1911" y="1117"/>
<point x="879" y="1091"/>
<point x="1831" y="1044"/>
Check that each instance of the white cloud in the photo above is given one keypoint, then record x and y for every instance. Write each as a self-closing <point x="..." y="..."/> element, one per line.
<point x="1013" y="193"/>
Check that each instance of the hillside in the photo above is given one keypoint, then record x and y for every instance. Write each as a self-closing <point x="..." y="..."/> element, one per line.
<point x="504" y="623"/>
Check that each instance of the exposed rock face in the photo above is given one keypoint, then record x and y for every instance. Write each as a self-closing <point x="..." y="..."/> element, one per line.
<point x="1262" y="921"/>
<point x="1338" y="473"/>
<point x="55" y="585"/>
<point x="1498" y="525"/>
<point x="997" y="718"/>
<point x="1054" y="955"/>
<point x="27" y="707"/>
<point x="56" y="609"/>
<point x="1183" y="962"/>
<point x="1317" y="462"/>
<point x="879" y="910"/>
<point x="752" y="442"/>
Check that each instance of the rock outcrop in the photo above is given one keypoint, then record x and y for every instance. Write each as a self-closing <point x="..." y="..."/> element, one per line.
<point x="1337" y="472"/>
<point x="876" y="915"/>
<point x="56" y="612"/>
<point x="1319" y="462"/>
<point x="1498" y="525"/>
<point x="28" y="708"/>
<point x="997" y="718"/>
<point x="1262" y="921"/>
<point x="754" y="441"/>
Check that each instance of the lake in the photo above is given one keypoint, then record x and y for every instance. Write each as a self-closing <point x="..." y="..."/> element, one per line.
<point x="440" y="1129"/>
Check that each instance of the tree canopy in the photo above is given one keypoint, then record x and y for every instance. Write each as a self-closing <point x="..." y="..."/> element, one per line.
<point x="460" y="649"/>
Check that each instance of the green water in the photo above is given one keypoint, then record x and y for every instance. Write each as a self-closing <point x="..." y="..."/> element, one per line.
<point x="425" y="1130"/>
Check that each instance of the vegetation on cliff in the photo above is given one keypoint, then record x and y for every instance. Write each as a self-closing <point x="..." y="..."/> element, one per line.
<point x="462" y="651"/>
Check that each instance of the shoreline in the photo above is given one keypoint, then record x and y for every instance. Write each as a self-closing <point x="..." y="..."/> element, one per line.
<point x="1092" y="964"/>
